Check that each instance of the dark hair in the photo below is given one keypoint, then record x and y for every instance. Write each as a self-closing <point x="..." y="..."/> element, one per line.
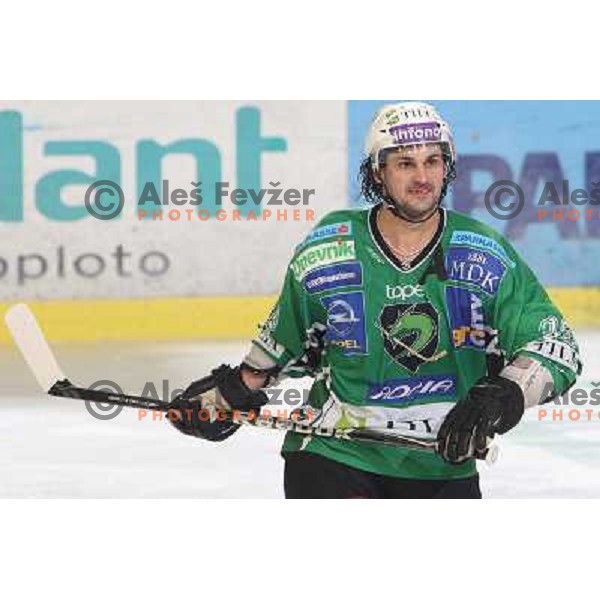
<point x="373" y="191"/>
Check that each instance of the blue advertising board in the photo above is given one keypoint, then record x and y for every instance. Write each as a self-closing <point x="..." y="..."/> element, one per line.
<point x="533" y="144"/>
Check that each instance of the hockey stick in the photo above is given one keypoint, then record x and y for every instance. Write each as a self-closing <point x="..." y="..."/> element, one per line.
<point x="30" y="340"/>
<point x="65" y="389"/>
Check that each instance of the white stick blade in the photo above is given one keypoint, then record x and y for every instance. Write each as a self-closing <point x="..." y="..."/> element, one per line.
<point x="29" y="338"/>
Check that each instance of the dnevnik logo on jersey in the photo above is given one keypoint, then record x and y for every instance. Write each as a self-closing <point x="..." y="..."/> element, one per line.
<point x="322" y="255"/>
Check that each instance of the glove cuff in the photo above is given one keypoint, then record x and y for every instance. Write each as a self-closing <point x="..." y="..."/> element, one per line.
<point x="534" y="379"/>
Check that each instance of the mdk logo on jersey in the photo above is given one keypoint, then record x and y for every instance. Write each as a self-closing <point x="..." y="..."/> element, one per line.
<point x="411" y="333"/>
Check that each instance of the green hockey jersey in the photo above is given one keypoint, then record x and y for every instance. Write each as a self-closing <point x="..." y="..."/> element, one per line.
<point x="403" y="345"/>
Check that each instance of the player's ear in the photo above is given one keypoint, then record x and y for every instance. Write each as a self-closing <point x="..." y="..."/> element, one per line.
<point x="377" y="175"/>
<point x="382" y="160"/>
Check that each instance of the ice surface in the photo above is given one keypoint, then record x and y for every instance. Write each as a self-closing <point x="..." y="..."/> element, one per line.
<point x="53" y="448"/>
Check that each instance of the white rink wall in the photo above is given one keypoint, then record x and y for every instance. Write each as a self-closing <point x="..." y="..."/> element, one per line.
<point x="44" y="256"/>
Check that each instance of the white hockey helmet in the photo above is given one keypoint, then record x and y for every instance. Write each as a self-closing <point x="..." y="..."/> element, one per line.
<point x="407" y="124"/>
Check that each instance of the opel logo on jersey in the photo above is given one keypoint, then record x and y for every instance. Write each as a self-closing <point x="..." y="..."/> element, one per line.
<point x="404" y="292"/>
<point x="341" y="317"/>
<point x="346" y="323"/>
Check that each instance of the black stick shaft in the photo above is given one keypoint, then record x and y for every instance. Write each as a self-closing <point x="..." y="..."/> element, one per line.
<point x="65" y="389"/>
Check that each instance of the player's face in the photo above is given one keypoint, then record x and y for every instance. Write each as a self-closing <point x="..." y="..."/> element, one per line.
<point x="413" y="177"/>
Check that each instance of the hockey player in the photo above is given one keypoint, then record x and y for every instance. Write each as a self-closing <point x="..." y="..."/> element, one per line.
<point x="409" y="316"/>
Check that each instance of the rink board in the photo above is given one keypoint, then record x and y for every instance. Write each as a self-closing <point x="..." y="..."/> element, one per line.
<point x="129" y="278"/>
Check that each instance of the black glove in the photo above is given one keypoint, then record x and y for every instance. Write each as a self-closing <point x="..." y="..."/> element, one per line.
<point x="493" y="405"/>
<point x="223" y="390"/>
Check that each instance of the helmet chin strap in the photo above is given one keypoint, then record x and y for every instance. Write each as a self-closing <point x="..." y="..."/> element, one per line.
<point x="393" y="208"/>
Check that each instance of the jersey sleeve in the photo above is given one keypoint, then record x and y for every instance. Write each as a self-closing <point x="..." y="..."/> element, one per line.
<point x="288" y="335"/>
<point x="530" y="324"/>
